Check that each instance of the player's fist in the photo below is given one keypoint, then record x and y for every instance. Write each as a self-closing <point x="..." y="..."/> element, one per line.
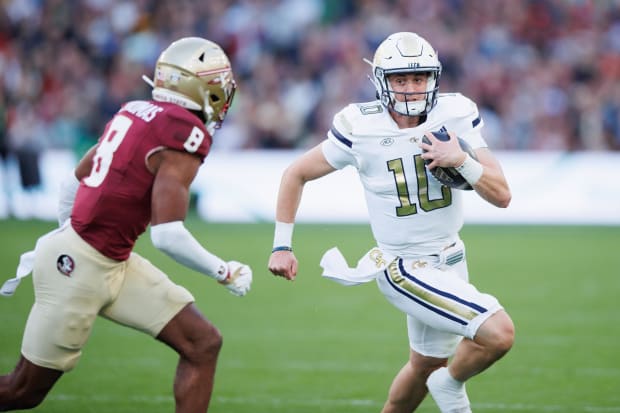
<point x="239" y="278"/>
<point x="283" y="264"/>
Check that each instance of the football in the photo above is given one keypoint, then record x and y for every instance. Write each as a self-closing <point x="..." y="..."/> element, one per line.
<point x="450" y="176"/>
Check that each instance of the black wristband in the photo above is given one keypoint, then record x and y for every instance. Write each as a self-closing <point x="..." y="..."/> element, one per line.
<point x="282" y="248"/>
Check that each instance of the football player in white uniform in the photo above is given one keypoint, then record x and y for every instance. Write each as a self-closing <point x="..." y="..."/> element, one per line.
<point x="420" y="260"/>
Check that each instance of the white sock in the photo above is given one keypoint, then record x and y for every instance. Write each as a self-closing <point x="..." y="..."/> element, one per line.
<point x="449" y="380"/>
<point x="450" y="394"/>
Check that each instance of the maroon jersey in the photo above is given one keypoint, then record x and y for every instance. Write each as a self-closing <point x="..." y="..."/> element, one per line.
<point x="113" y="204"/>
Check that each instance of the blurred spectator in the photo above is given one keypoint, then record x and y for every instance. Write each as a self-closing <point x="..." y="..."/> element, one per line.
<point x="545" y="72"/>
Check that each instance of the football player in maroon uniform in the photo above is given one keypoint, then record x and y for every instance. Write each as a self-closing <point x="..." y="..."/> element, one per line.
<point x="139" y="173"/>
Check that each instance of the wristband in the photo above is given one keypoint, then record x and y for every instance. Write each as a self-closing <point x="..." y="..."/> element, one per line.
<point x="471" y="170"/>
<point x="283" y="234"/>
<point x="281" y="248"/>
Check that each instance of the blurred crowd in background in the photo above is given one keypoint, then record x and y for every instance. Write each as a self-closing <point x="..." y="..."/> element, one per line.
<point x="544" y="73"/>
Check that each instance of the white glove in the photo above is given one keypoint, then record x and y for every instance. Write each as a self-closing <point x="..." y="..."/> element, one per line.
<point x="239" y="278"/>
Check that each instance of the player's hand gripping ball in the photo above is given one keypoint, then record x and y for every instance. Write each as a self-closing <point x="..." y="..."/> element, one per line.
<point x="449" y="176"/>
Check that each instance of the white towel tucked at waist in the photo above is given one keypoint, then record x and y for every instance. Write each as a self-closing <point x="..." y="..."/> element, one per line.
<point x="373" y="263"/>
<point x="25" y="266"/>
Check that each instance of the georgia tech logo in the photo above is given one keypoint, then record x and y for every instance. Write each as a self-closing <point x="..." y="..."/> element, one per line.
<point x="387" y="141"/>
<point x="377" y="256"/>
<point x="65" y="265"/>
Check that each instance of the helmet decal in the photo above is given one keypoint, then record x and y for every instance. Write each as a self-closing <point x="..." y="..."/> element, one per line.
<point x="408" y="47"/>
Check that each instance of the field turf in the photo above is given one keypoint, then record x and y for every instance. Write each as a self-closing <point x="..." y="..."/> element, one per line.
<point x="313" y="345"/>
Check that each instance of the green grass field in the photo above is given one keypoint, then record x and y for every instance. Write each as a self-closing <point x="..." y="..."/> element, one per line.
<point x="315" y="346"/>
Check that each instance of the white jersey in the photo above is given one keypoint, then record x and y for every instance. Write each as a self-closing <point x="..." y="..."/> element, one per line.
<point x="411" y="213"/>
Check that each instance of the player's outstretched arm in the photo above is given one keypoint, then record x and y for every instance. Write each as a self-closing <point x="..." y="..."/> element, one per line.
<point x="174" y="172"/>
<point x="310" y="166"/>
<point x="176" y="241"/>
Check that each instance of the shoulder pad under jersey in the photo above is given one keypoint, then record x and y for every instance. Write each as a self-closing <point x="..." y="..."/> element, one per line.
<point x="359" y="120"/>
<point x="457" y="106"/>
<point x="182" y="130"/>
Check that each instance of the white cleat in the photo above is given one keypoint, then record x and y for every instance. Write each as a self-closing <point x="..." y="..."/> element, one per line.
<point x="448" y="393"/>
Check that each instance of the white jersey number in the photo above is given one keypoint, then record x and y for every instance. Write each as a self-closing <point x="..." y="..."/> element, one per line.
<point x="408" y="207"/>
<point x="105" y="152"/>
<point x="196" y="137"/>
<point x="112" y="140"/>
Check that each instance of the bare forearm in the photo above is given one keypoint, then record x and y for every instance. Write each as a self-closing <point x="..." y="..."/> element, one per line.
<point x="310" y="166"/>
<point x="492" y="185"/>
<point x="289" y="198"/>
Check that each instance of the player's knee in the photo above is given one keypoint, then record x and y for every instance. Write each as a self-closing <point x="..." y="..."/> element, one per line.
<point x="504" y="335"/>
<point x="507" y="338"/>
<point x="496" y="334"/>
<point x="214" y="341"/>
<point x="206" y="345"/>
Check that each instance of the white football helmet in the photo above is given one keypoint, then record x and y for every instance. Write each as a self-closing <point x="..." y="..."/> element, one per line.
<point x="195" y="73"/>
<point x="406" y="52"/>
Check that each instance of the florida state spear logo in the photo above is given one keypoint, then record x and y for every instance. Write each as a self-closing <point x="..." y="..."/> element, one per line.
<point x="65" y="265"/>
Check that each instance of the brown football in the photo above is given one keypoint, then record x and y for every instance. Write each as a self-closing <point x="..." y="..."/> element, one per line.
<point x="450" y="176"/>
